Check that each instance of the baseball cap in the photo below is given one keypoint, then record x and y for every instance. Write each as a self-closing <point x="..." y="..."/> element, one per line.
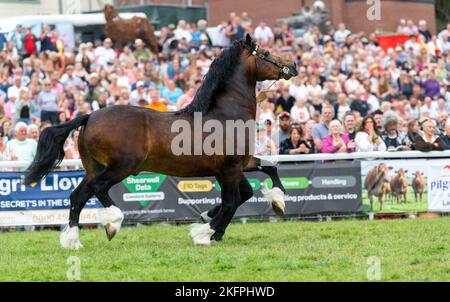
<point x="140" y="84"/>
<point x="284" y="114"/>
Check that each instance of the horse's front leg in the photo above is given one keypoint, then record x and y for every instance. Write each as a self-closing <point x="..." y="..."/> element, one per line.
<point x="274" y="196"/>
<point x="229" y="180"/>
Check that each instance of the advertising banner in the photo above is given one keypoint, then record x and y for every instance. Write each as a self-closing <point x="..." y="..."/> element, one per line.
<point x="400" y="184"/>
<point x="439" y="186"/>
<point x="311" y="189"/>
<point x="46" y="203"/>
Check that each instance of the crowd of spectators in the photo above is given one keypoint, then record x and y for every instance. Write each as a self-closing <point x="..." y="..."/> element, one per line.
<point x="350" y="94"/>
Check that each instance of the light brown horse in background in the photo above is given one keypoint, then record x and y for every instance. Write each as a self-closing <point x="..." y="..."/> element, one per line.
<point x="122" y="31"/>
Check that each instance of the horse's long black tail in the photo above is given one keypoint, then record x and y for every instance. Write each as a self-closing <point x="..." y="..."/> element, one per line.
<point x="50" y="149"/>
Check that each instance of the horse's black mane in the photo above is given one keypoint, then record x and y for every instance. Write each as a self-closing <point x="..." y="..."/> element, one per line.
<point x="215" y="80"/>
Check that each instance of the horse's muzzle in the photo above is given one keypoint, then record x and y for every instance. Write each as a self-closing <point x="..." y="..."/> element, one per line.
<point x="290" y="71"/>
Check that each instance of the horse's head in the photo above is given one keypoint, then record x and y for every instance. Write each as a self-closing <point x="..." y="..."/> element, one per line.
<point x="267" y="66"/>
<point x="109" y="12"/>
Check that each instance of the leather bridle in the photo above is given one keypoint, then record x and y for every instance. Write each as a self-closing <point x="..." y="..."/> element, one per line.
<point x="282" y="69"/>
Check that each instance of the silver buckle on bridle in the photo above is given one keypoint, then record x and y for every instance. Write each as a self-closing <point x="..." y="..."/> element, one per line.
<point x="282" y="68"/>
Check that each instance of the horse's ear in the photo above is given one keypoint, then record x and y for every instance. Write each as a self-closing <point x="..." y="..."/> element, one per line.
<point x="248" y="40"/>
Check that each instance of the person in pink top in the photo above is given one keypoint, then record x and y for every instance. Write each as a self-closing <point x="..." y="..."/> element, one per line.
<point x="337" y="141"/>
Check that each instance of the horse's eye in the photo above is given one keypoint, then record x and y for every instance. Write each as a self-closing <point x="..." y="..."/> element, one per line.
<point x="266" y="53"/>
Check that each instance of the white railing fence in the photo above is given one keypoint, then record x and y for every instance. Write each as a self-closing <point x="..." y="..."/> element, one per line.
<point x="289" y="158"/>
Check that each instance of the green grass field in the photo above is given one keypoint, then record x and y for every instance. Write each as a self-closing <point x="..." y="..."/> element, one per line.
<point x="409" y="250"/>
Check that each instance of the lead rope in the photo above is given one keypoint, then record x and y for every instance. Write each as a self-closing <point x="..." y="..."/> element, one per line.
<point x="262" y="94"/>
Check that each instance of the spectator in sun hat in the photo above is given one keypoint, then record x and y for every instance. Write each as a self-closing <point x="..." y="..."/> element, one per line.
<point x="93" y="79"/>
<point x="140" y="50"/>
<point x="92" y="93"/>
<point x="105" y="53"/>
<point x="84" y="51"/>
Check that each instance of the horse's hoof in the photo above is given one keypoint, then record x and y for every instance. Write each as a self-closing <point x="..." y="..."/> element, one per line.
<point x="278" y="207"/>
<point x="201" y="234"/>
<point x="275" y="197"/>
<point x="111" y="218"/>
<point x="70" y="239"/>
<point x="110" y="231"/>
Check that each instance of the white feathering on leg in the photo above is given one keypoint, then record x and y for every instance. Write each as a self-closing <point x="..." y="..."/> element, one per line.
<point x="201" y="233"/>
<point x="274" y="196"/>
<point x="112" y="215"/>
<point x="70" y="238"/>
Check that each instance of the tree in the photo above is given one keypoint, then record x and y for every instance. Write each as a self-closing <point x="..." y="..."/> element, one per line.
<point x="442" y="13"/>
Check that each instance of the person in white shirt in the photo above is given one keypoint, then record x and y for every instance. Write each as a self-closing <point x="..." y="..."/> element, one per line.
<point x="222" y="39"/>
<point x="266" y="113"/>
<point x="14" y="90"/>
<point x="105" y="54"/>
<point x="445" y="32"/>
<point x="84" y="51"/>
<point x="341" y="34"/>
<point x="69" y="79"/>
<point x="139" y="94"/>
<point x="411" y="29"/>
<point x="263" y="33"/>
<point x="431" y="107"/>
<point x="412" y="45"/>
<point x="298" y="88"/>
<point x="182" y="31"/>
<point x="313" y="89"/>
<point x="300" y="113"/>
<point x="367" y="139"/>
<point x="402" y="28"/>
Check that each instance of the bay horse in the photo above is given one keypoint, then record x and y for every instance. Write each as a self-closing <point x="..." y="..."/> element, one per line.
<point x="122" y="31"/>
<point x="119" y="141"/>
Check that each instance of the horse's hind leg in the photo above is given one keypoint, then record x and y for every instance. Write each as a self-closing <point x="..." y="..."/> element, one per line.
<point x="230" y="182"/>
<point x="245" y="193"/>
<point x="69" y="238"/>
<point x="111" y="217"/>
